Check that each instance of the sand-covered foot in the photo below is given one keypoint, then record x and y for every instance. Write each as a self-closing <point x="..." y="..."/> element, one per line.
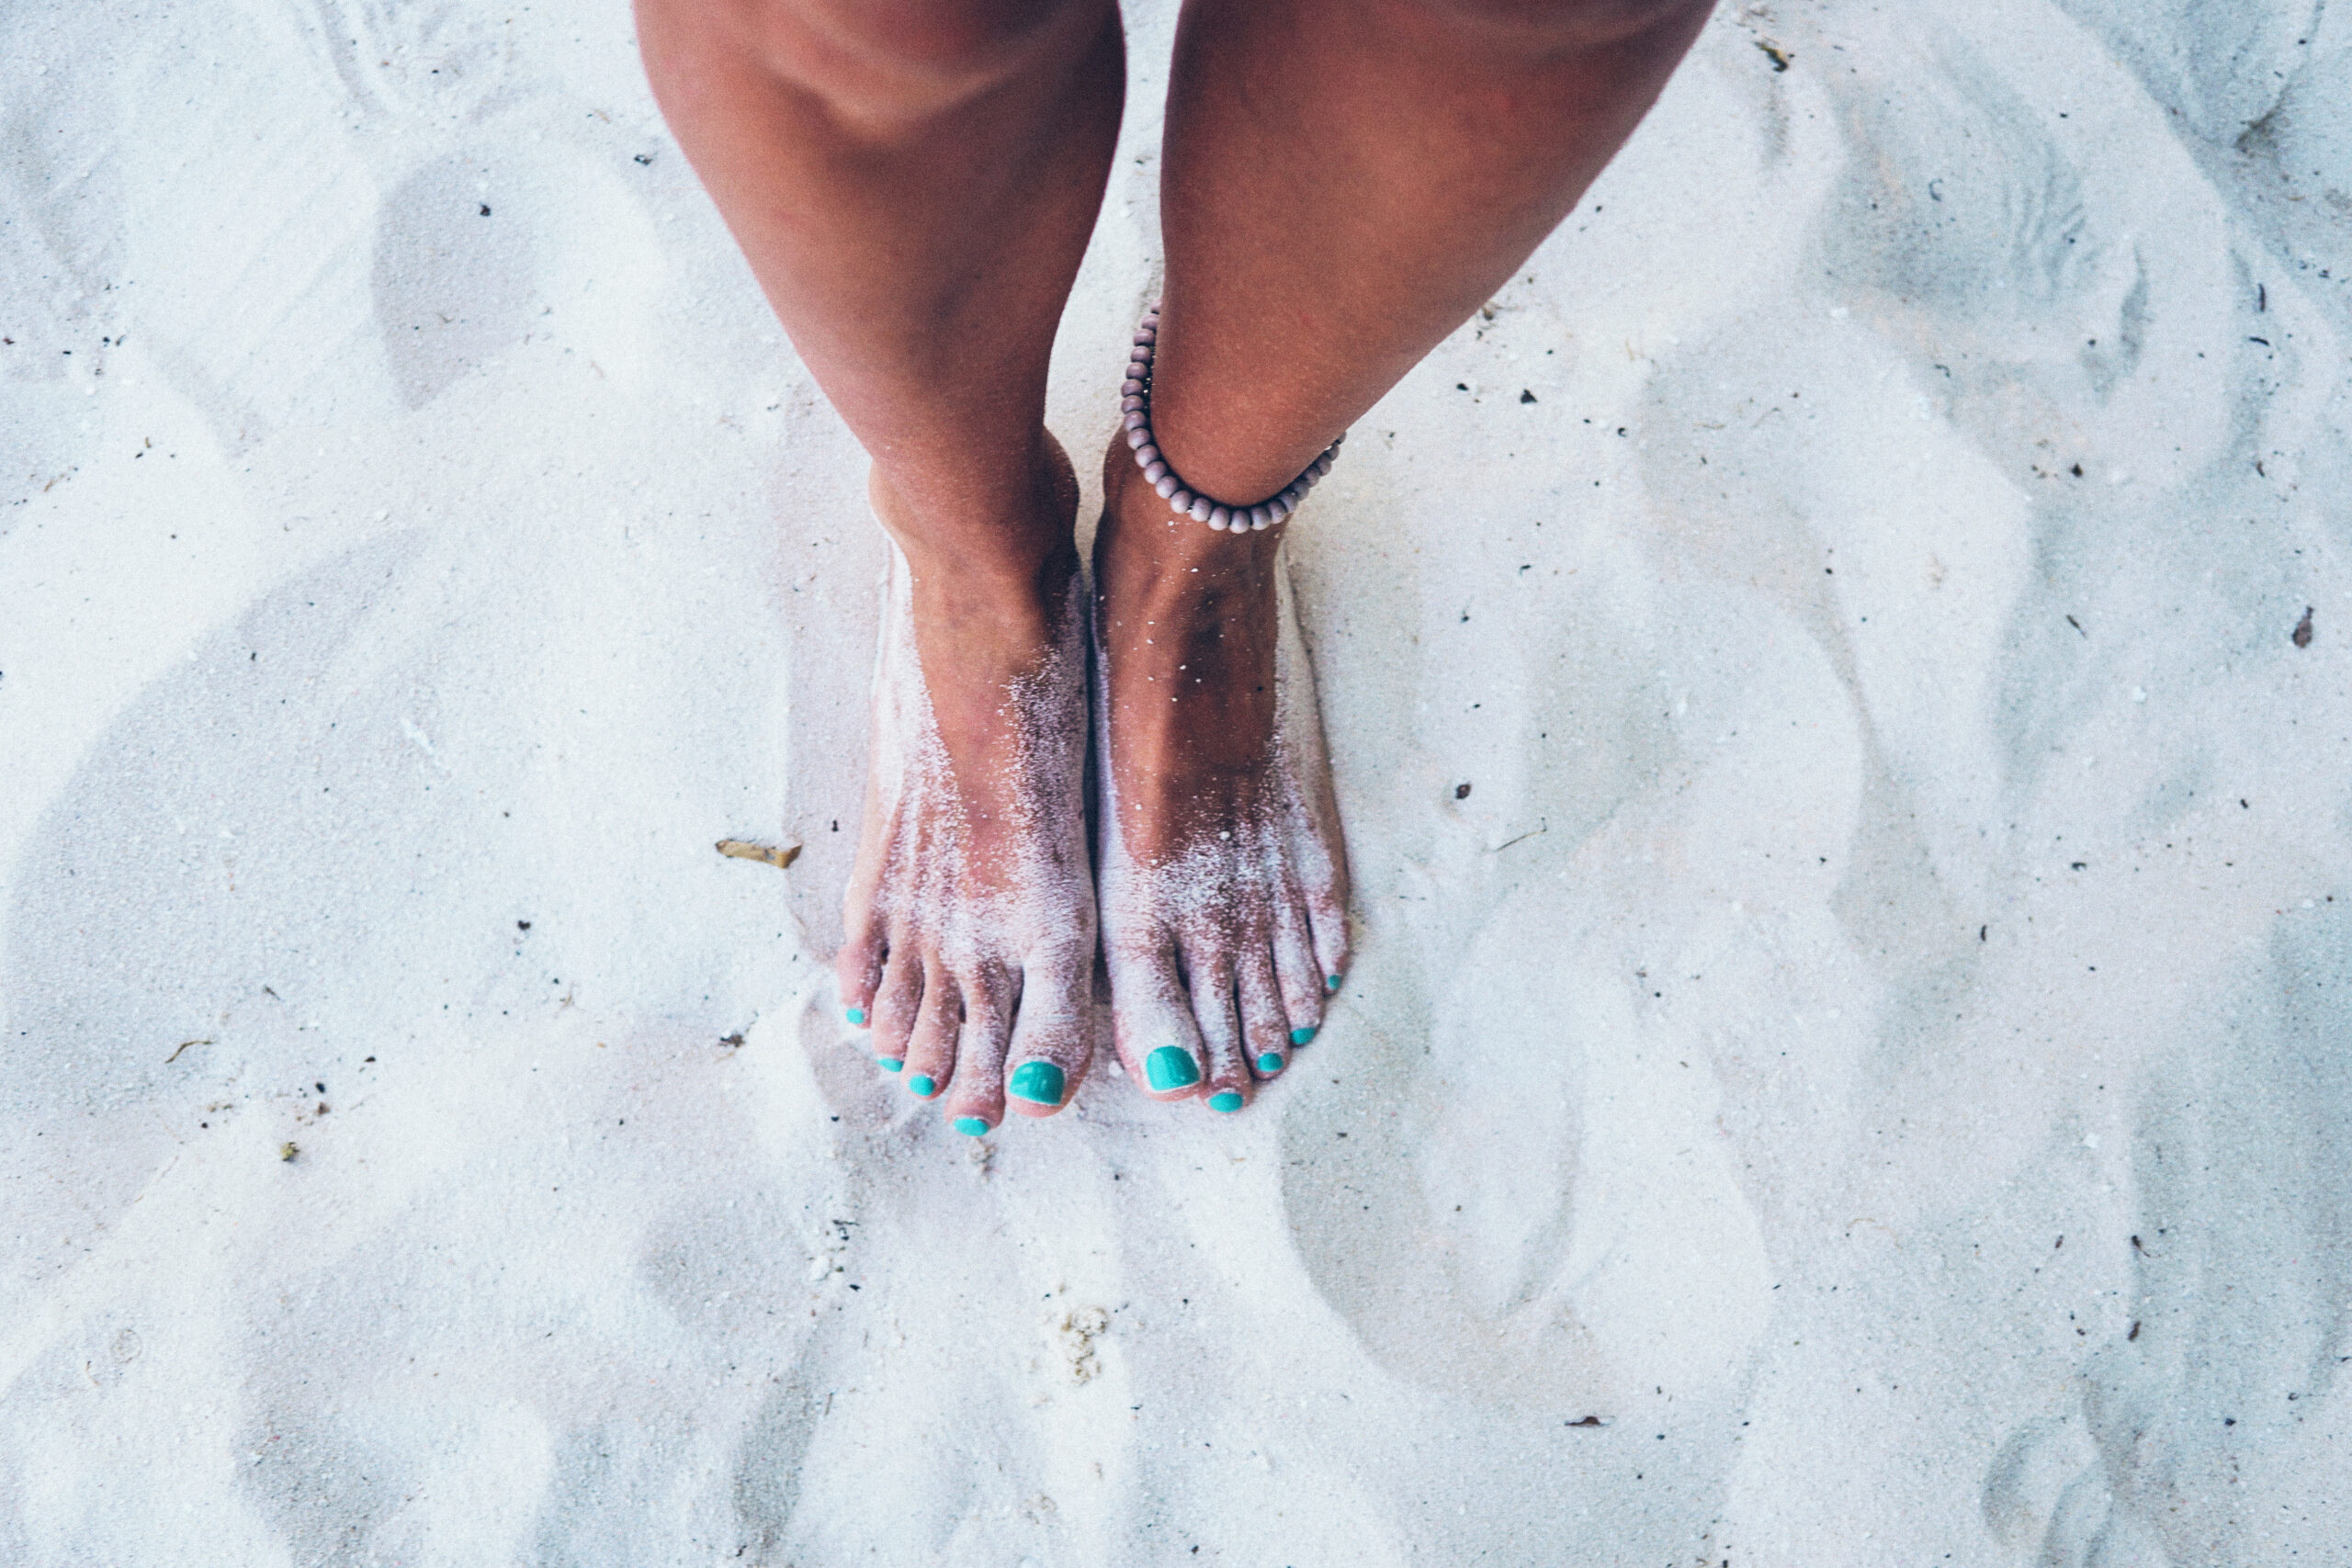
<point x="1223" y="882"/>
<point x="971" y="944"/>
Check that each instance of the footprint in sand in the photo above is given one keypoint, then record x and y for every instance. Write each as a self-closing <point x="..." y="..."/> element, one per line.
<point x="482" y="252"/>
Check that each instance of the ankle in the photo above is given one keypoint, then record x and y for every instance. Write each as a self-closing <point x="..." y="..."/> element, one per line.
<point x="977" y="539"/>
<point x="1145" y="543"/>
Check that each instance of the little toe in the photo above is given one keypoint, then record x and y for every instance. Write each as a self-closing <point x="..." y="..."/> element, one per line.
<point x="975" y="1098"/>
<point x="897" y="1003"/>
<point x="1052" y="1038"/>
<point x="1266" y="1027"/>
<point x="931" y="1047"/>
<point x="1220" y="1021"/>
<point x="1327" y="916"/>
<point x="858" y="970"/>
<point x="1158" y="1041"/>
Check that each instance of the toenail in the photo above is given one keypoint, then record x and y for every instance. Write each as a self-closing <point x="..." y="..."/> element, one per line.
<point x="971" y="1126"/>
<point x="922" y="1086"/>
<point x="1272" y="1062"/>
<point x="889" y="1063"/>
<point x="856" y="1016"/>
<point x="1229" y="1100"/>
<point x="1330" y="982"/>
<point x="1040" y="1083"/>
<point x="1170" y="1067"/>
<point x="1301" y="1036"/>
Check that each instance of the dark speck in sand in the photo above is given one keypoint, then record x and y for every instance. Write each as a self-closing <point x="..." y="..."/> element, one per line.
<point x="485" y="209"/>
<point x="645" y="157"/>
<point x="2302" y="633"/>
<point x="1462" y="792"/>
<point x="1588" y="1421"/>
<point x="1525" y="396"/>
<point x="522" y="925"/>
<point x="735" y="1039"/>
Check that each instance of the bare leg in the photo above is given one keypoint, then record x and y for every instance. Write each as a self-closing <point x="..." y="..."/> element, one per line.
<point x="913" y="182"/>
<point x="1345" y="181"/>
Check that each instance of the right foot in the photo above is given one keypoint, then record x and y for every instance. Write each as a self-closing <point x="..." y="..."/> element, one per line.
<point x="970" y="942"/>
<point x="1224" y="878"/>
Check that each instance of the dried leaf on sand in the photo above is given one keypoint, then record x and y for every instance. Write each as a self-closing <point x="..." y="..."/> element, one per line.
<point x="743" y="849"/>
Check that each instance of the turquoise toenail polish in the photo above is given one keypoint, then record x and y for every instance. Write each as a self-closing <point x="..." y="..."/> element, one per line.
<point x="889" y="1063"/>
<point x="920" y="1086"/>
<point x="1270" y="1063"/>
<point x="1330" y="982"/>
<point x="1170" y="1067"/>
<point x="1301" y="1036"/>
<point x="1229" y="1100"/>
<point x="971" y="1126"/>
<point x="1040" y="1083"/>
<point x="856" y="1015"/>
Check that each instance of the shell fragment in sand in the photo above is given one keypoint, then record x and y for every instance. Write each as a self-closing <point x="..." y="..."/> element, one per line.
<point x="740" y="849"/>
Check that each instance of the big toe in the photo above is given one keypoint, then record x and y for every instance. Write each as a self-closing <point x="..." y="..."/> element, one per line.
<point x="1052" y="1038"/>
<point x="1160" y="1042"/>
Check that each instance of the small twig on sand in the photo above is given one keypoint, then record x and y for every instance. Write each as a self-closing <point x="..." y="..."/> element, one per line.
<point x="1507" y="843"/>
<point x="183" y="1045"/>
<point x="741" y="849"/>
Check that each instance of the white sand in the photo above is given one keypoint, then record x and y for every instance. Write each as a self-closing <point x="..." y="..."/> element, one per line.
<point x="1890" y="852"/>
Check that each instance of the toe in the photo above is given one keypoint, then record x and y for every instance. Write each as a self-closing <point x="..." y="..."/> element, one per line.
<point x="1326" y="919"/>
<point x="1052" y="1036"/>
<point x="1159" y="1043"/>
<point x="858" y="969"/>
<point x="1213" y="1005"/>
<point x="974" y="1100"/>
<point x="1265" y="1028"/>
<point x="931" y="1047"/>
<point x="1298" y="972"/>
<point x="898" y="1002"/>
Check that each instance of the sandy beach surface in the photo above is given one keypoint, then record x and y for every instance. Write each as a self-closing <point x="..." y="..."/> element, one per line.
<point x="1837" y="684"/>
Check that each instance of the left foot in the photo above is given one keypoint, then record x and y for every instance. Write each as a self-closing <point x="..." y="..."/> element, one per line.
<point x="969" y="944"/>
<point x="1222" y="878"/>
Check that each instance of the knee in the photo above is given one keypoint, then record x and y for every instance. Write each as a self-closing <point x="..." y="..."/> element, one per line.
<point x="1554" y="25"/>
<point x="897" y="59"/>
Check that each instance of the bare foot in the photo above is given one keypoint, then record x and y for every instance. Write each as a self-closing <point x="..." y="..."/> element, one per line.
<point x="971" y="944"/>
<point x="1223" y="884"/>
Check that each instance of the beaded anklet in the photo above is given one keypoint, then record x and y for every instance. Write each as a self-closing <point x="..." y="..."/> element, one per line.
<point x="1135" y="404"/>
